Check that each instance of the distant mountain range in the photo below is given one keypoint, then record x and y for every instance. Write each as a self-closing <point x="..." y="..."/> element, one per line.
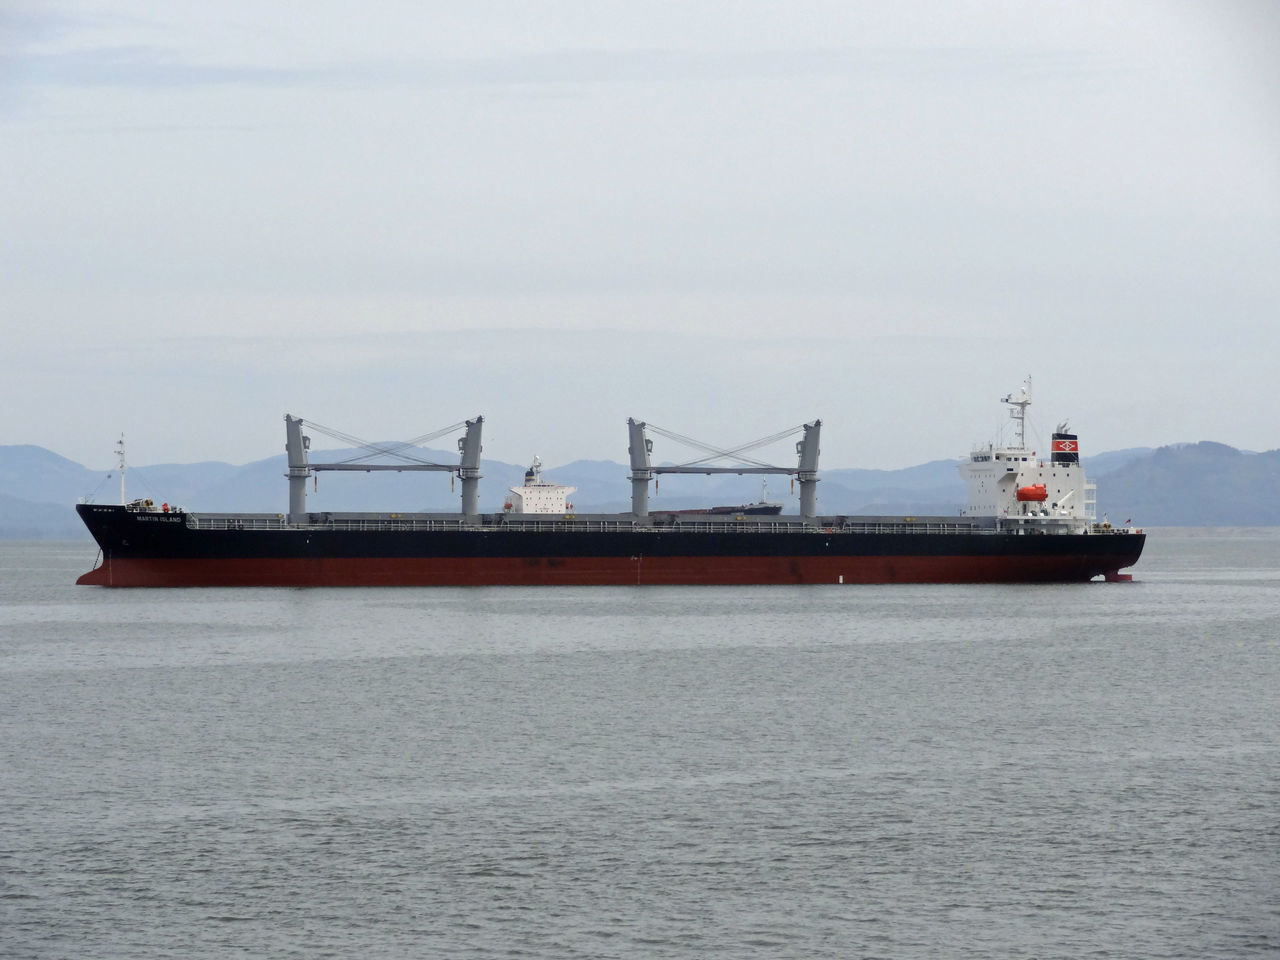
<point x="1201" y="484"/>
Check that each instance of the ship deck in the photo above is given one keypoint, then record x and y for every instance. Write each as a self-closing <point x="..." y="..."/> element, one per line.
<point x="590" y="523"/>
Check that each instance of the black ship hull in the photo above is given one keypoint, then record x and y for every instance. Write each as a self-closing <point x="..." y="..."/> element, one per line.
<point x="154" y="549"/>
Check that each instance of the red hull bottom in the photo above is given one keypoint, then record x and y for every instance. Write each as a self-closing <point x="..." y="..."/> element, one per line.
<point x="587" y="571"/>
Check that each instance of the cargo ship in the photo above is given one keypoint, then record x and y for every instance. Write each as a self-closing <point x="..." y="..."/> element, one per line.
<point x="1029" y="519"/>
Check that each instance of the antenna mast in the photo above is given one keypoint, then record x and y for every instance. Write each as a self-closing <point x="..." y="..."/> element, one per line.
<point x="123" y="465"/>
<point x="1019" y="402"/>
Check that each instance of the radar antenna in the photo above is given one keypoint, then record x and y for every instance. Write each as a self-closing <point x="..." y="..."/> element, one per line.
<point x="1019" y="402"/>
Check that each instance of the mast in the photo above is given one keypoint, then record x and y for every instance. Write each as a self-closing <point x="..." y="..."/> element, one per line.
<point x="300" y="466"/>
<point x="469" y="467"/>
<point x="295" y="445"/>
<point x="642" y="469"/>
<point x="123" y="466"/>
<point x="1018" y="410"/>
<point x="807" y="469"/>
<point x="641" y="472"/>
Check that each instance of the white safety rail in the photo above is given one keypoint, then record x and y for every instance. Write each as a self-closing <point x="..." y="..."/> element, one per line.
<point x="543" y="524"/>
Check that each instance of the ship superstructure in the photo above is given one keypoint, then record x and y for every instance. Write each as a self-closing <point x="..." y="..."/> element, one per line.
<point x="536" y="495"/>
<point x="1022" y="490"/>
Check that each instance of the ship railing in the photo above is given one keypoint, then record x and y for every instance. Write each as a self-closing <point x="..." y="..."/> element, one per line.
<point x="733" y="526"/>
<point x="755" y="526"/>
<point x="827" y="526"/>
<point x="905" y="526"/>
<point x="363" y="526"/>
<point x="575" y="525"/>
<point x="263" y="522"/>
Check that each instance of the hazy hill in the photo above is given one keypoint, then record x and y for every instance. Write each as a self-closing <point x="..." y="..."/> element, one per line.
<point x="1201" y="484"/>
<point x="27" y="520"/>
<point x="33" y="473"/>
<point x="1103" y="464"/>
<point x="1193" y="484"/>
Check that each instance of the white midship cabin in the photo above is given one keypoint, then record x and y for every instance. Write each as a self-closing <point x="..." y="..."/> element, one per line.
<point x="1023" y="491"/>
<point x="538" y="495"/>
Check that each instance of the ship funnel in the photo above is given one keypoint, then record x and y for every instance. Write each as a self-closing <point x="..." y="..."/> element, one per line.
<point x="1066" y="448"/>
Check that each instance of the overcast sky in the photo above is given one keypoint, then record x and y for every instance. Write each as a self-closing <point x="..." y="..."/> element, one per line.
<point x="725" y="218"/>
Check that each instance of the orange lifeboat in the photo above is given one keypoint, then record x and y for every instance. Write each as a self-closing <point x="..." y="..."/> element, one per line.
<point x="1036" y="493"/>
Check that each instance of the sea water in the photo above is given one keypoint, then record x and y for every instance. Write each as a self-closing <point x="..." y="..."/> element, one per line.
<point x="898" y="771"/>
